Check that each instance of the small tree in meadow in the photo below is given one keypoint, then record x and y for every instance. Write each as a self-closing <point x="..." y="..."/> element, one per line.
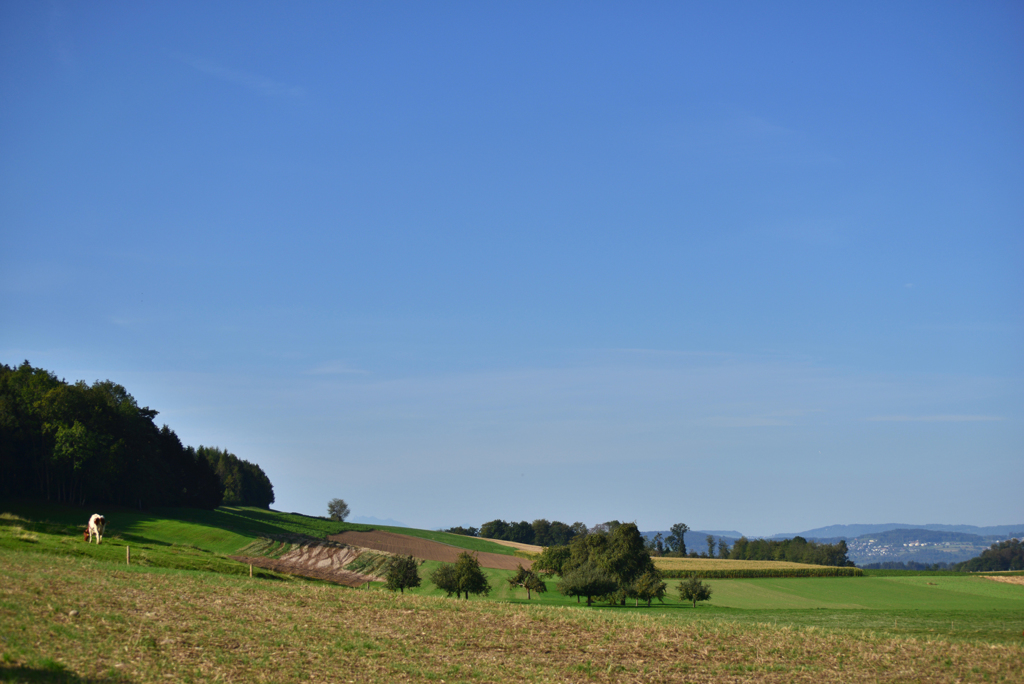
<point x="464" y="577"/>
<point x="649" y="586"/>
<point x="337" y="509"/>
<point x="403" y="573"/>
<point x="694" y="590"/>
<point x="528" y="580"/>
<point x="445" y="579"/>
<point x="587" y="580"/>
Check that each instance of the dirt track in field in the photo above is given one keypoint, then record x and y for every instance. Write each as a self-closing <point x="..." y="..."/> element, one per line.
<point x="1012" y="579"/>
<point x="426" y="549"/>
<point x="319" y="561"/>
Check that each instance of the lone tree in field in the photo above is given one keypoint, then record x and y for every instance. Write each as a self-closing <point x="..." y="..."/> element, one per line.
<point x="337" y="509"/>
<point x="464" y="577"/>
<point x="528" y="580"/>
<point x="403" y="573"/>
<point x="587" y="580"/>
<point x="649" y="586"/>
<point x="444" y="579"/>
<point x="694" y="590"/>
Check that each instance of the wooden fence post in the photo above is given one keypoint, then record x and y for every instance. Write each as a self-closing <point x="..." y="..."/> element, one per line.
<point x="127" y="555"/>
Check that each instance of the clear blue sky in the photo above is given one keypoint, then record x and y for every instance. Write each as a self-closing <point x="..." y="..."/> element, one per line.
<point x="752" y="266"/>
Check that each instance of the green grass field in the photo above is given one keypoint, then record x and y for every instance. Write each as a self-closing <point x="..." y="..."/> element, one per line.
<point x="949" y="605"/>
<point x="182" y="611"/>
<point x="225" y="530"/>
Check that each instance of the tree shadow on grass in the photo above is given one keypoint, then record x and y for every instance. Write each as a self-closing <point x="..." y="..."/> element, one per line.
<point x="53" y="673"/>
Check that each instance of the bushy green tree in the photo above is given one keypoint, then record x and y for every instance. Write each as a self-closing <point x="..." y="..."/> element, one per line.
<point x="337" y="509"/>
<point x="551" y="560"/>
<point x="625" y="557"/>
<point x="444" y="578"/>
<point x="694" y="590"/>
<point x="462" y="577"/>
<point x="528" y="580"/>
<point x="587" y="580"/>
<point x="472" y="579"/>
<point x="403" y="573"/>
<point x="649" y="586"/>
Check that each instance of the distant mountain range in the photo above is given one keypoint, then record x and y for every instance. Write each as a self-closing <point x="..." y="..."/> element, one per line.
<point x="853" y="531"/>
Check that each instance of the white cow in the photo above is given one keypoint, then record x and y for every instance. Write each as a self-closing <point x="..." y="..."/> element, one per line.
<point x="97" y="523"/>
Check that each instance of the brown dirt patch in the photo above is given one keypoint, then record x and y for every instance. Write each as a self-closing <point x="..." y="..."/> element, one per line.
<point x="1013" y="579"/>
<point x="319" y="561"/>
<point x="426" y="549"/>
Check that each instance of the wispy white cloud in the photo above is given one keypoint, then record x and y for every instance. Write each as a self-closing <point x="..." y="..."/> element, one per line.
<point x="254" y="82"/>
<point x="935" y="419"/>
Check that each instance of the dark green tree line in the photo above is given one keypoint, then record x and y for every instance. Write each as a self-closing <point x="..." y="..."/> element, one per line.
<point x="1004" y="555"/>
<point x="93" y="444"/>
<point x="540" y="532"/>
<point x="244" y="483"/>
<point x="795" y="550"/>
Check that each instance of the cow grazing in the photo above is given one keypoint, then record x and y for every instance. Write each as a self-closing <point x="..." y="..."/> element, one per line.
<point x="85" y="535"/>
<point x="97" y="523"/>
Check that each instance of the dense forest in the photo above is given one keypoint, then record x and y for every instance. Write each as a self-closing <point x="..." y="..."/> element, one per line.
<point x="1004" y="555"/>
<point x="93" y="444"/>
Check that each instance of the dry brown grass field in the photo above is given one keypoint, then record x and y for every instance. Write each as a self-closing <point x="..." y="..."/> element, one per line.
<point x="147" y="625"/>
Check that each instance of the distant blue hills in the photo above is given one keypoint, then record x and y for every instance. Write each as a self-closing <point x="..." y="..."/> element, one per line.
<point x="695" y="539"/>
<point x="854" y="531"/>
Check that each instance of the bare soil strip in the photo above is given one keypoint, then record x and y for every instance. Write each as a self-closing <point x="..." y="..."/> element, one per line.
<point x="1013" y="579"/>
<point x="424" y="548"/>
<point x="319" y="561"/>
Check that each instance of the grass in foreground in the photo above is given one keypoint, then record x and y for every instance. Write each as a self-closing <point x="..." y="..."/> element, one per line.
<point x="137" y="625"/>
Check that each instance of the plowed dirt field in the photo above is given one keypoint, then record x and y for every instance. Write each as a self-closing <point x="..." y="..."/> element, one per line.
<point x="320" y="561"/>
<point x="425" y="549"/>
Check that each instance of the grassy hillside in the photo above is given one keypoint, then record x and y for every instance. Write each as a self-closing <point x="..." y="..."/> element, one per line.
<point x="225" y="530"/>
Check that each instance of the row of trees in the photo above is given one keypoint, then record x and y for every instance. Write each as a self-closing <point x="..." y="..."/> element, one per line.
<point x="540" y="532"/>
<point x="795" y="550"/>
<point x="93" y="444"/>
